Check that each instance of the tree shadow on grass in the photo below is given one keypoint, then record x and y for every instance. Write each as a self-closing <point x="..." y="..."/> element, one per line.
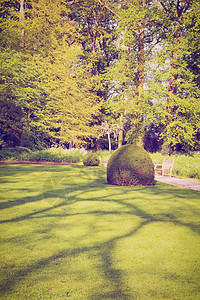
<point x="48" y="183"/>
<point x="130" y="199"/>
<point x="104" y="250"/>
<point x="12" y="170"/>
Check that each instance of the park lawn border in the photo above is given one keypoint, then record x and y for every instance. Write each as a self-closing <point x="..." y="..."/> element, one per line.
<point x="5" y="162"/>
<point x="39" y="162"/>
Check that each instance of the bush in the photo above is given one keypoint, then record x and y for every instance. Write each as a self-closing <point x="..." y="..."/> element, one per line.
<point x="130" y="165"/>
<point x="43" y="155"/>
<point x="91" y="159"/>
<point x="51" y="154"/>
<point x="58" y="155"/>
<point x="13" y="153"/>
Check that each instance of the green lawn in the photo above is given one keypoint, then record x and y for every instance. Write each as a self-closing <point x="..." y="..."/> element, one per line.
<point x="66" y="234"/>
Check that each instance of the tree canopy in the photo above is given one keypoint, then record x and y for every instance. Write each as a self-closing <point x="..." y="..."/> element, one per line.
<point x="67" y="67"/>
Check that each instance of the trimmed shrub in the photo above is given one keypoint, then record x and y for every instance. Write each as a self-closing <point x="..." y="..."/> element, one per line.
<point x="130" y="165"/>
<point x="91" y="159"/>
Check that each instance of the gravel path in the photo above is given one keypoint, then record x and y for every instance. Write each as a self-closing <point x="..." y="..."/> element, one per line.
<point x="186" y="183"/>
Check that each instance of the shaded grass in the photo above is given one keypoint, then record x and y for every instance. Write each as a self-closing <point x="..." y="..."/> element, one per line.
<point x="66" y="234"/>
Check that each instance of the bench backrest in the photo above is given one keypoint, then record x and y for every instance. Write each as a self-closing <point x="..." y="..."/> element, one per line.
<point x="167" y="164"/>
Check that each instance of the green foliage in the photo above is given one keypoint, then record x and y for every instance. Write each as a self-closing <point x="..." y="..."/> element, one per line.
<point x="58" y="155"/>
<point x="97" y="34"/>
<point x="52" y="154"/>
<point x="9" y="24"/>
<point x="72" y="106"/>
<point x="174" y="88"/>
<point x="91" y="159"/>
<point x="22" y="100"/>
<point x="166" y="149"/>
<point x="45" y="156"/>
<point x="81" y="62"/>
<point x="46" y="91"/>
<point x="104" y="154"/>
<point x="130" y="165"/>
<point x="14" y="153"/>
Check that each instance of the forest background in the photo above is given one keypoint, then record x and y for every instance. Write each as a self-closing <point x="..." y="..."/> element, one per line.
<point x="74" y="72"/>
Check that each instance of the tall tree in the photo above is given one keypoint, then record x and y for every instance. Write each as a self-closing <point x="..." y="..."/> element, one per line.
<point x="22" y="21"/>
<point x="22" y="99"/>
<point x="56" y="56"/>
<point x="96" y="31"/>
<point x="134" y="23"/>
<point x="22" y="93"/>
<point x="9" y="24"/>
<point x="121" y="77"/>
<point x="72" y="104"/>
<point x="178" y="91"/>
<point x="48" y="45"/>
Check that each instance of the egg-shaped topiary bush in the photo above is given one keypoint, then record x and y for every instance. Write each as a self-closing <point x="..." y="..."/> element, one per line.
<point x="91" y="159"/>
<point x="130" y="165"/>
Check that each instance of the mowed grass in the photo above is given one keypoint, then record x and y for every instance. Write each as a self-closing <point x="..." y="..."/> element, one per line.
<point x="66" y="234"/>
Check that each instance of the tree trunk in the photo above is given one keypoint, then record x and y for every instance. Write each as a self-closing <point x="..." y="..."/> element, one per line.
<point x="71" y="144"/>
<point x="109" y="142"/>
<point x="121" y="121"/>
<point x="140" y="84"/>
<point x="173" y="75"/>
<point x="175" y="13"/>
<point x="121" y="118"/>
<point x="21" y="20"/>
<point x="141" y="61"/>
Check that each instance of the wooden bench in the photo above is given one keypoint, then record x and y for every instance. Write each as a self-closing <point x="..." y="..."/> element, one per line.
<point x="166" y="166"/>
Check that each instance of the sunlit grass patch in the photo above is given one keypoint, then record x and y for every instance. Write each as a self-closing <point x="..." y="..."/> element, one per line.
<point x="66" y="233"/>
<point x="162" y="257"/>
